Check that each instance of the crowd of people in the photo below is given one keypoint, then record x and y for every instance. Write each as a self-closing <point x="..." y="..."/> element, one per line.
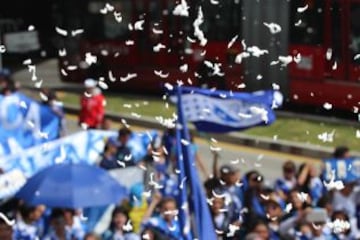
<point x="243" y="205"/>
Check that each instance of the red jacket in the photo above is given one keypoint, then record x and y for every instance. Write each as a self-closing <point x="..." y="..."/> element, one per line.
<point x="92" y="110"/>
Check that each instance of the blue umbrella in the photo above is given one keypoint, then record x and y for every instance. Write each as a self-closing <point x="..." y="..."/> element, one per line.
<point x="72" y="186"/>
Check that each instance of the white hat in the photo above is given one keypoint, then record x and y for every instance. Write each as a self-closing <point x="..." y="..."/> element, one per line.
<point x="90" y="83"/>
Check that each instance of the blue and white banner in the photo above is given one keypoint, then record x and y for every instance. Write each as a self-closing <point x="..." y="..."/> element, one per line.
<point x="347" y="169"/>
<point x="224" y="111"/>
<point x="25" y="123"/>
<point x="85" y="146"/>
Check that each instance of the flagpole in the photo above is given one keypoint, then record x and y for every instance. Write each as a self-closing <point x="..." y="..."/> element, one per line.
<point x="203" y="227"/>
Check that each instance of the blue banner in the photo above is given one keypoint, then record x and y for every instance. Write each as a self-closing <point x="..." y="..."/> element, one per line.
<point x="347" y="169"/>
<point x="85" y="146"/>
<point x="25" y="123"/>
<point x="225" y="111"/>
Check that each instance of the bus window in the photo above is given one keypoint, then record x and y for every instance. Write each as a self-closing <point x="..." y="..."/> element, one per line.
<point x="355" y="32"/>
<point x="336" y="31"/>
<point x="307" y="27"/>
<point x="222" y="21"/>
<point x="100" y="26"/>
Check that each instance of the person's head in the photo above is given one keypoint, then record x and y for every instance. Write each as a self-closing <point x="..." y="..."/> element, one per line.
<point x="229" y="174"/>
<point x="106" y="124"/>
<point x="91" y="236"/>
<point x="6" y="231"/>
<point x="210" y="185"/>
<point x="326" y="202"/>
<point x="317" y="218"/>
<point x="124" y="135"/>
<point x="90" y="85"/>
<point x="31" y="214"/>
<point x="254" y="180"/>
<point x="69" y="215"/>
<point x="119" y="218"/>
<point x="111" y="146"/>
<point x="168" y="208"/>
<point x="57" y="222"/>
<point x="289" y="170"/>
<point x="296" y="201"/>
<point x="218" y="203"/>
<point x="7" y="85"/>
<point x="341" y="152"/>
<point x="348" y="188"/>
<point x="261" y="228"/>
<point x="273" y="209"/>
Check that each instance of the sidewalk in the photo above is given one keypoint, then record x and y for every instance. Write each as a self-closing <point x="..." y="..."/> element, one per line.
<point x="48" y="71"/>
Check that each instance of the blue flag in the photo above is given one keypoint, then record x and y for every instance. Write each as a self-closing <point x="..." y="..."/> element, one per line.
<point x="347" y="169"/>
<point x="203" y="227"/>
<point x="25" y="123"/>
<point x="225" y="111"/>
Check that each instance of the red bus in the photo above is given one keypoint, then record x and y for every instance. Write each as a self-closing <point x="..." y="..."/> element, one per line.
<point x="141" y="45"/>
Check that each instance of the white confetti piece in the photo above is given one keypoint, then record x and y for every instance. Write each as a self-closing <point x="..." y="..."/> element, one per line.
<point x="357" y="56"/>
<point x="7" y="220"/>
<point x="135" y="115"/>
<point x="62" y="52"/>
<point x="129" y="42"/>
<point x="43" y="97"/>
<point x="259" y="77"/>
<point x="139" y="25"/>
<point x="190" y="40"/>
<point x="169" y="86"/>
<point x="232" y="41"/>
<point x="31" y="28"/>
<point x="265" y="197"/>
<point x="103" y="85"/>
<point x="111" y="76"/>
<point x="357" y="134"/>
<point x="63" y="72"/>
<point x="72" y="67"/>
<point x="302" y="196"/>
<point x="197" y="31"/>
<point x="241" y="85"/>
<point x="118" y="16"/>
<point x="128" y="226"/>
<point x="328" y="54"/>
<point x="38" y="84"/>
<point x="185" y="142"/>
<point x="161" y="74"/>
<point x="273" y="27"/>
<point x="23" y="104"/>
<point x="332" y="184"/>
<point x="215" y="149"/>
<point x="334" y="66"/>
<point x="256" y="51"/>
<point x="184" y="68"/>
<point x="76" y="32"/>
<point x="327" y="137"/>
<point x="157" y="31"/>
<point x="302" y="9"/>
<point x="2" y="49"/>
<point x="158" y="47"/>
<point x="83" y="218"/>
<point x="90" y="59"/>
<point x="182" y="9"/>
<point x="182" y="183"/>
<point x="297" y="58"/>
<point x="327" y="106"/>
<point x="298" y="23"/>
<point x="128" y="77"/>
<point x="27" y="61"/>
<point x="61" y="31"/>
<point x="288" y="207"/>
<point x="285" y="60"/>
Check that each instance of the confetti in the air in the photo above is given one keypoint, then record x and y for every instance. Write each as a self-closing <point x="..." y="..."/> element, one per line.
<point x="139" y="25"/>
<point x="128" y="77"/>
<point x="232" y="41"/>
<point x="182" y="9"/>
<point x="7" y="220"/>
<point x="61" y="31"/>
<point x="273" y="27"/>
<point x="302" y="9"/>
<point x="197" y="31"/>
<point x="2" y="49"/>
<point x="90" y="59"/>
<point x="76" y="32"/>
